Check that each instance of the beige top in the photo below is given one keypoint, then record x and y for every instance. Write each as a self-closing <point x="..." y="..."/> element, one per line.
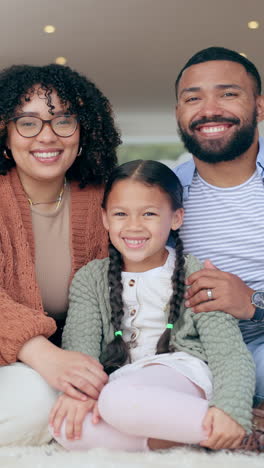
<point x="52" y="256"/>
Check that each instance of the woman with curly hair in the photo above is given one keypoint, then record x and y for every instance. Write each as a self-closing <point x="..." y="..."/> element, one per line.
<point x="57" y="147"/>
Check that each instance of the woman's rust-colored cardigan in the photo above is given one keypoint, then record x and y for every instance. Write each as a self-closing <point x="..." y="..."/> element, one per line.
<point x="21" y="312"/>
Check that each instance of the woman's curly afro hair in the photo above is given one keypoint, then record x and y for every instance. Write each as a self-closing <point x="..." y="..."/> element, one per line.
<point x="99" y="137"/>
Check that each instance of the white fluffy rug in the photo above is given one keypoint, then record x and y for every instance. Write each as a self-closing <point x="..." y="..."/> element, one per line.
<point x="52" y="456"/>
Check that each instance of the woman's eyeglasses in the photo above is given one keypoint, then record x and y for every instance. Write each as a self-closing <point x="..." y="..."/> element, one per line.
<point x="29" y="126"/>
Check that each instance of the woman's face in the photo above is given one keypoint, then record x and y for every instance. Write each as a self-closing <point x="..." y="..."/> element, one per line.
<point x="45" y="156"/>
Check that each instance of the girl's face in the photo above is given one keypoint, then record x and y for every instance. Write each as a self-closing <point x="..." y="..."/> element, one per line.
<point x="139" y="218"/>
<point x="45" y="156"/>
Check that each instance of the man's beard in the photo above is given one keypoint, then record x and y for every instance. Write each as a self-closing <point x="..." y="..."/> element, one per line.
<point x="215" y="150"/>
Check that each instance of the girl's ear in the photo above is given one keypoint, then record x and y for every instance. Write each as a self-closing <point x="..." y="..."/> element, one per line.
<point x="177" y="219"/>
<point x="105" y="220"/>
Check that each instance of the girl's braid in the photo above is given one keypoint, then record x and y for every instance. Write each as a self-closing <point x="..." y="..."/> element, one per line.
<point x="176" y="299"/>
<point x="117" y="351"/>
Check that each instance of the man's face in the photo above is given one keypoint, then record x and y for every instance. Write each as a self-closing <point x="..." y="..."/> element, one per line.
<point x="217" y="110"/>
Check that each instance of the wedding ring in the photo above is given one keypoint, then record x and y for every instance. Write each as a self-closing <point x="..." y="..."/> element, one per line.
<point x="210" y="294"/>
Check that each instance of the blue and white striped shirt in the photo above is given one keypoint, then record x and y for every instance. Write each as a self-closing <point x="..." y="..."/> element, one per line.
<point x="226" y="225"/>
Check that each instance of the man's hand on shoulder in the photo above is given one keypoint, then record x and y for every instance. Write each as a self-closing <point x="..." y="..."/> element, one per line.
<point x="213" y="289"/>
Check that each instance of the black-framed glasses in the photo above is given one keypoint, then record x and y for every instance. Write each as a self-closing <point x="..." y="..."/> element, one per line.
<point x="30" y="126"/>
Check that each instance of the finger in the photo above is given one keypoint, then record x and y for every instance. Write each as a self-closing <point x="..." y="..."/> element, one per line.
<point x="207" y="444"/>
<point x="86" y="387"/>
<point x="78" y="423"/>
<point x="232" y="440"/>
<point x="205" y="272"/>
<point x="214" y="438"/>
<point x="53" y="412"/>
<point x="208" y="306"/>
<point x="202" y="285"/>
<point x="69" y="424"/>
<point x="58" y="420"/>
<point x="208" y="264"/>
<point x="201" y="296"/>
<point x="87" y="382"/>
<point x="237" y="442"/>
<point x="93" y="361"/>
<point x="211" y="442"/>
<point x="223" y="443"/>
<point x="207" y="423"/>
<point x="93" y="379"/>
<point x="69" y="390"/>
<point x="97" y="369"/>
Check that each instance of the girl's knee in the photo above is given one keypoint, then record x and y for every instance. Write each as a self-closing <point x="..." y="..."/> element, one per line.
<point x="109" y="399"/>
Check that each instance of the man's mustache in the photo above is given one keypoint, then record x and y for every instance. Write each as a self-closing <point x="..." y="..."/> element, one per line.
<point x="205" y="120"/>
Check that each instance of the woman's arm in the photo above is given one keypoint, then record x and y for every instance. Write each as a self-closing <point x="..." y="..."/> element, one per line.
<point x="23" y="336"/>
<point x="18" y="321"/>
<point x="67" y="371"/>
<point x="19" y="324"/>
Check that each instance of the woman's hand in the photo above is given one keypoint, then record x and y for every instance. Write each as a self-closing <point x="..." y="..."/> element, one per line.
<point x="223" y="431"/>
<point x="76" y="374"/>
<point x="74" y="412"/>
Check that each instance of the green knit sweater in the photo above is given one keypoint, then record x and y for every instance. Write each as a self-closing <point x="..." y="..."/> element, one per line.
<point x="213" y="337"/>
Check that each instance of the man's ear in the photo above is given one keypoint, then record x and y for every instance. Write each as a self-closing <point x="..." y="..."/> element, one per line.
<point x="260" y="108"/>
<point x="177" y="219"/>
<point x="105" y="220"/>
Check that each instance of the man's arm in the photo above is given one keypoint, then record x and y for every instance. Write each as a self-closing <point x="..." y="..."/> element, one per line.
<point x="229" y="293"/>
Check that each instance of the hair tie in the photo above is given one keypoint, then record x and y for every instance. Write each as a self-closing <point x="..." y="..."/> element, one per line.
<point x="118" y="332"/>
<point x="169" y="325"/>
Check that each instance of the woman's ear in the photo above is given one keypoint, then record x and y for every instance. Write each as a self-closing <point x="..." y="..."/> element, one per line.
<point x="177" y="219"/>
<point x="105" y="220"/>
<point x="7" y="142"/>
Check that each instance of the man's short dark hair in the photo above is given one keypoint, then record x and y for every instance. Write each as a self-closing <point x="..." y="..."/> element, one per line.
<point x="220" y="53"/>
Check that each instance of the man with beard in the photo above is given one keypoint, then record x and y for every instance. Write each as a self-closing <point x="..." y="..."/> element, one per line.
<point x="218" y="107"/>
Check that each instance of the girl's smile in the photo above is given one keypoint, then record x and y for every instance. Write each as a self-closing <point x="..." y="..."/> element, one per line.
<point x="135" y="243"/>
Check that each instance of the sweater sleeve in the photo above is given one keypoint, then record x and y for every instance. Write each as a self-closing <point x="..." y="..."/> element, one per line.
<point x="19" y="323"/>
<point x="83" y="329"/>
<point x="231" y="365"/>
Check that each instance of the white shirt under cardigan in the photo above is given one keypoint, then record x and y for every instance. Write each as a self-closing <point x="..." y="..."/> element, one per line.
<point x="145" y="299"/>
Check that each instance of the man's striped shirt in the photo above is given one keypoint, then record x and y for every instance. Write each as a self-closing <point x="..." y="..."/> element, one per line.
<point x="226" y="225"/>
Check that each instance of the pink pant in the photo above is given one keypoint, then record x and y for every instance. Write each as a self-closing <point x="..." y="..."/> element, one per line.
<point x="153" y="402"/>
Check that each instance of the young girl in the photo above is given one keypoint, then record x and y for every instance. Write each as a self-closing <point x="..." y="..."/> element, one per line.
<point x="174" y="375"/>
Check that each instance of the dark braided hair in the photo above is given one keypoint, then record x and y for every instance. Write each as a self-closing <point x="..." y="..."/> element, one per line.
<point x="98" y="136"/>
<point x="150" y="173"/>
<point x="176" y="299"/>
<point x="117" y="350"/>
